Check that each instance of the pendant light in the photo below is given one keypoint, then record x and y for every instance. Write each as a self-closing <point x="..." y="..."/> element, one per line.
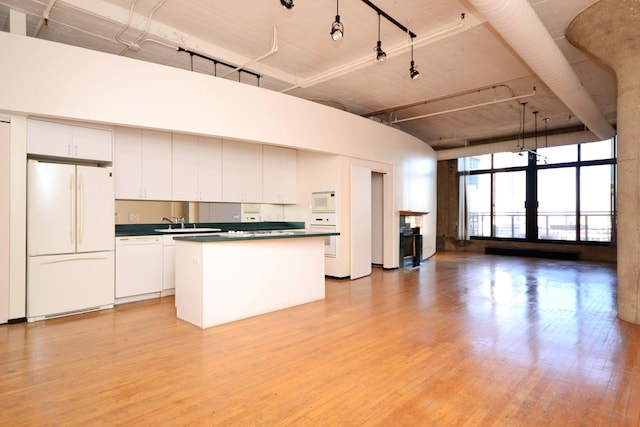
<point x="287" y="4"/>
<point x="413" y="72"/>
<point x="380" y="55"/>
<point x="337" y="29"/>
<point x="546" y="132"/>
<point x="535" y="128"/>
<point x="521" y="147"/>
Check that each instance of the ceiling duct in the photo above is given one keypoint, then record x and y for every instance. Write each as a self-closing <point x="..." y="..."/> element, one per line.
<point x="521" y="28"/>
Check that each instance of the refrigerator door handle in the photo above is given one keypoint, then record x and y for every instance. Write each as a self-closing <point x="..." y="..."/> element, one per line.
<point x="73" y="258"/>
<point x="80" y="208"/>
<point x="71" y="210"/>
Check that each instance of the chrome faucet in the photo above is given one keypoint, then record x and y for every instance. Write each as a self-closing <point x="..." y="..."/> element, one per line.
<point x="168" y="220"/>
<point x="181" y="222"/>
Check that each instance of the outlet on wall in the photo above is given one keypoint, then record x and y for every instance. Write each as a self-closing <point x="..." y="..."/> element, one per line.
<point x="134" y="217"/>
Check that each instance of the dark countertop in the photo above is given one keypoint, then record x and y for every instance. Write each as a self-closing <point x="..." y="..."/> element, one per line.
<point x="227" y="237"/>
<point x="149" y="229"/>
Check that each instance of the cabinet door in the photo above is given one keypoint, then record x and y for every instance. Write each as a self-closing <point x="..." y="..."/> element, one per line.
<point x="289" y="176"/>
<point x="156" y="165"/>
<point x="49" y="139"/>
<point x="127" y="163"/>
<point x="241" y="172"/>
<point x="185" y="167"/>
<point x="279" y="175"/>
<point x="252" y="173"/>
<point x="68" y="141"/>
<point x="210" y="169"/>
<point x="232" y="169"/>
<point x="92" y="144"/>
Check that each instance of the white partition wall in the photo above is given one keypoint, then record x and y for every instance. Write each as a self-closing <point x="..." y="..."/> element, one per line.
<point x="5" y="194"/>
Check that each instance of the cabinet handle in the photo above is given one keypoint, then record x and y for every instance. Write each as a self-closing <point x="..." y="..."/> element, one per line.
<point x="69" y="150"/>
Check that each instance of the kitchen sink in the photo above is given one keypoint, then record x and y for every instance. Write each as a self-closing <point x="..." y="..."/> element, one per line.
<point x="186" y="230"/>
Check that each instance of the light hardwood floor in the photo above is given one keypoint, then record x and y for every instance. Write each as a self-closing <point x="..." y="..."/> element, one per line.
<point x="465" y="340"/>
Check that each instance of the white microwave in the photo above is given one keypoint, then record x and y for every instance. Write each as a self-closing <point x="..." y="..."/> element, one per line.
<point x="323" y="201"/>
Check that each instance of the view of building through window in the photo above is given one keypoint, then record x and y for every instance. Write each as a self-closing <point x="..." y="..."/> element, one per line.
<point x="574" y="188"/>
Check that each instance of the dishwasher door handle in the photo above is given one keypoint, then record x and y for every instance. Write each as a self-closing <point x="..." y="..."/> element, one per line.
<point x="138" y="242"/>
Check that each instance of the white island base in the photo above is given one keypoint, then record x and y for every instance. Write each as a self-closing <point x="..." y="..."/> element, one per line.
<point x="222" y="281"/>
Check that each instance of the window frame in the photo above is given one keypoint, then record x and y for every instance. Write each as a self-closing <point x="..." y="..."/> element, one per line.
<point x="531" y="210"/>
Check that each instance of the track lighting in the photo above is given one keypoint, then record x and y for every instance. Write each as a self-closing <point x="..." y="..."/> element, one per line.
<point x="413" y="72"/>
<point x="337" y="29"/>
<point x="380" y="55"/>
<point x="287" y="4"/>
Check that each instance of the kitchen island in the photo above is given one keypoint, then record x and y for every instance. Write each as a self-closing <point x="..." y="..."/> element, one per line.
<point x="231" y="276"/>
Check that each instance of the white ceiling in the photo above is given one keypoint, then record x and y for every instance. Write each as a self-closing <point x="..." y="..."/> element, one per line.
<point x="469" y="64"/>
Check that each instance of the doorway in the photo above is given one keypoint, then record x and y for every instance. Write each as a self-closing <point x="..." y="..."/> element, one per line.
<point x="377" y="219"/>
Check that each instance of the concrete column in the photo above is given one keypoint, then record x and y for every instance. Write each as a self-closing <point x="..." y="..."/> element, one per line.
<point x="609" y="31"/>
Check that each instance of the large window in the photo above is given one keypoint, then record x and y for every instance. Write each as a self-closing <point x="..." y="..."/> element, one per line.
<point x="509" y="204"/>
<point x="562" y="193"/>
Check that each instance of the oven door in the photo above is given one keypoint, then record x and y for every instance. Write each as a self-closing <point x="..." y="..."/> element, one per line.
<point x="329" y="241"/>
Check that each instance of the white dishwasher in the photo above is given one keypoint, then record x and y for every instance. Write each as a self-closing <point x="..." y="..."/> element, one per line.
<point x="138" y="268"/>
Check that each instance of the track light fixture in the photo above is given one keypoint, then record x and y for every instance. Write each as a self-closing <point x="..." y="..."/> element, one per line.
<point x="287" y="4"/>
<point x="380" y="55"/>
<point x="413" y="72"/>
<point x="337" y="29"/>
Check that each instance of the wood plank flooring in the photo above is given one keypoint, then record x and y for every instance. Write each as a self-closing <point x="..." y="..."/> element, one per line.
<point x="465" y="340"/>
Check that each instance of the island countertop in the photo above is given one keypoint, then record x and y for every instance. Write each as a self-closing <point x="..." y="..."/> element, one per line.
<point x="253" y="235"/>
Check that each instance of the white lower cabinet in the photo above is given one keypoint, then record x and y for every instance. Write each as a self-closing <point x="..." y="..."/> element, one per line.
<point x="169" y="262"/>
<point x="168" y="265"/>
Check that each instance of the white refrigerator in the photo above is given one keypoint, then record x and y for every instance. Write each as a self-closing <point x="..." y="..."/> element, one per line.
<point x="70" y="239"/>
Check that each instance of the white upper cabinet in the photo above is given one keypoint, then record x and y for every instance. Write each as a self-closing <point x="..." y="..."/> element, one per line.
<point x="142" y="164"/>
<point x="68" y="141"/>
<point x="278" y="175"/>
<point x="241" y="172"/>
<point x="197" y="168"/>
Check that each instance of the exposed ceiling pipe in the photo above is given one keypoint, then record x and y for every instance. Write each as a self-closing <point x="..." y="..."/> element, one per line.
<point x="512" y="145"/>
<point x="433" y="100"/>
<point x="274" y="49"/>
<point x="129" y="19"/>
<point x="135" y="45"/>
<point x="467" y="107"/>
<point x="45" y="17"/>
<point x="521" y="28"/>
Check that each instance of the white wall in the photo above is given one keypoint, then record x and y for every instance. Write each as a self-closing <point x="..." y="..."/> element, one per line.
<point x="59" y="81"/>
<point x="5" y="217"/>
